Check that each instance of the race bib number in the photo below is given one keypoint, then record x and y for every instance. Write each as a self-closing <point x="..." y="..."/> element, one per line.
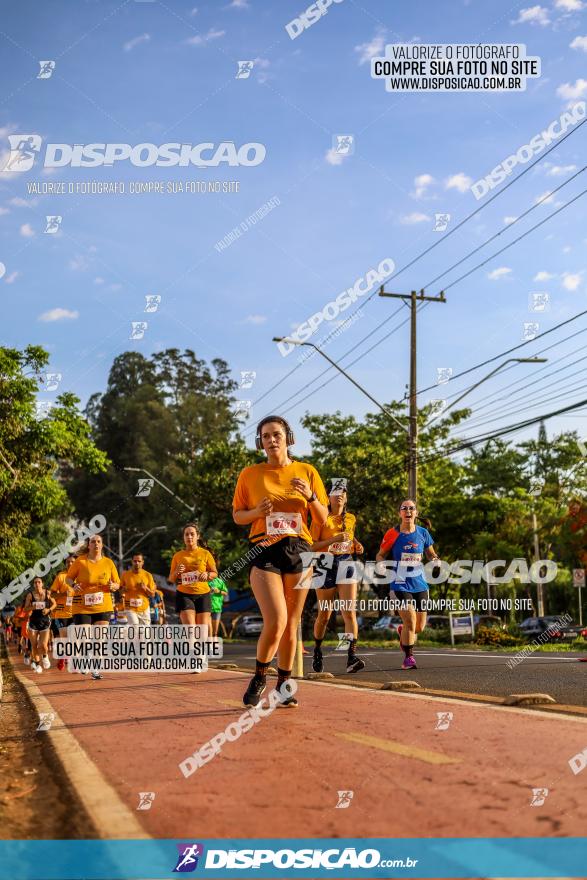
<point x="411" y="559"/>
<point x="190" y="577"/>
<point x="341" y="547"/>
<point x="68" y="600"/>
<point x="284" y="524"/>
<point x="38" y="606"/>
<point x="135" y="603"/>
<point x="93" y="599"/>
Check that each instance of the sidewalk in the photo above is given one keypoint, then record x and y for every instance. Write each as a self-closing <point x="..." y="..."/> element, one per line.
<point x="282" y="778"/>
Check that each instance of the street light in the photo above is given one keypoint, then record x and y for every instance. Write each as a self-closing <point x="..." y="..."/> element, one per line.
<point x="346" y="375"/>
<point x="122" y="553"/>
<point x="163" y="486"/>
<point x="534" y="360"/>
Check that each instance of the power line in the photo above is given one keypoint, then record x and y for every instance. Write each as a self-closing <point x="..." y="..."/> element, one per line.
<point x="477" y="409"/>
<point x="510" y="429"/>
<point x="505" y="228"/>
<point x="439" y="241"/>
<point x="515" y="241"/>
<point x="303" y="391"/>
<point x="508" y="351"/>
<point x="498" y="416"/>
<point x="499" y="391"/>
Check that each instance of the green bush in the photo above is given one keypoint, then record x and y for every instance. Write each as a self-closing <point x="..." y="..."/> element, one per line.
<point x="489" y="635"/>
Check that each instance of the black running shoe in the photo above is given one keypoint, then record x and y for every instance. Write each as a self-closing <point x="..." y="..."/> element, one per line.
<point x="317" y="662"/>
<point x="254" y="692"/>
<point x="290" y="703"/>
<point x="355" y="664"/>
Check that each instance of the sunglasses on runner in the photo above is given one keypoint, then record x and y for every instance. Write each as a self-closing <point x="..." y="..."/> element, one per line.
<point x="407" y="508"/>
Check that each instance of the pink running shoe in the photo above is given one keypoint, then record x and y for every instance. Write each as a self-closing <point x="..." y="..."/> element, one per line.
<point x="409" y="663"/>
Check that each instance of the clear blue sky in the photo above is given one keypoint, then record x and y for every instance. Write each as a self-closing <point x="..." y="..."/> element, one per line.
<point x="161" y="72"/>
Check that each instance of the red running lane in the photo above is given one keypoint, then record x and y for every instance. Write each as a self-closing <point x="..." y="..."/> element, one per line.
<point x="281" y="778"/>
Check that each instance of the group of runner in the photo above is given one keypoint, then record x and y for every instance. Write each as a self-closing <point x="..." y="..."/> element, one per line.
<point x="297" y="532"/>
<point x="88" y="592"/>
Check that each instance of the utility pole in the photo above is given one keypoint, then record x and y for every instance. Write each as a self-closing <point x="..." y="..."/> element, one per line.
<point x="414" y="299"/>
<point x="539" y="585"/>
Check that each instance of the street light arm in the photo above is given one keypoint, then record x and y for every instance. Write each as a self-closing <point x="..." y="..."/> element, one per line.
<point x="484" y="379"/>
<point x="143" y="536"/>
<point x="345" y="374"/>
<point x="163" y="486"/>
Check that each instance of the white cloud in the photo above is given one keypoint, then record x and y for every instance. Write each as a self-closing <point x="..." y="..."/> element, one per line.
<point x="8" y="129"/>
<point x="115" y="287"/>
<point x="261" y="66"/>
<point x="579" y="43"/>
<point x="502" y="272"/>
<point x="136" y="41"/>
<point x="546" y="196"/>
<point x="421" y="184"/>
<point x="202" y="39"/>
<point x="508" y="220"/>
<point x="10" y="279"/>
<point x="460" y="182"/>
<point x="571" y="281"/>
<point x="569" y="5"/>
<point x="533" y="15"/>
<point x="79" y="263"/>
<point x="98" y="280"/>
<point x="567" y="249"/>
<point x="194" y="11"/>
<point x="27" y="230"/>
<point x="17" y="202"/>
<point x="255" y="319"/>
<point x="543" y="276"/>
<point x="238" y="4"/>
<point x="559" y="170"/>
<point x="4" y="211"/>
<point x="59" y="315"/>
<point x="570" y="92"/>
<point x="413" y="218"/>
<point x="334" y="158"/>
<point x="367" y="51"/>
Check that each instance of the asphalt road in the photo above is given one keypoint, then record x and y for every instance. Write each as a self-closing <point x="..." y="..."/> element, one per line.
<point x="475" y="672"/>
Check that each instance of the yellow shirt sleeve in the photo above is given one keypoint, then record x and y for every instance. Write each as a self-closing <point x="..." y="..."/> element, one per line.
<point x="73" y="570"/>
<point x="210" y="564"/>
<point x="241" y="494"/>
<point x="174" y="564"/>
<point x="113" y="572"/>
<point x="317" y="486"/>
<point x="315" y="529"/>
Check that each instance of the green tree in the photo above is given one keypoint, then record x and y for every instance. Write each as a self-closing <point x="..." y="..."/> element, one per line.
<point x="34" y="455"/>
<point x="170" y="415"/>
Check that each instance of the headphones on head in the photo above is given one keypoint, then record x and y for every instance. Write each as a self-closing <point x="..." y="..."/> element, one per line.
<point x="289" y="434"/>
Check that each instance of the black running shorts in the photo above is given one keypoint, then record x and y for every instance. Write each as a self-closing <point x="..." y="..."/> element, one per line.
<point x="198" y="602"/>
<point x="411" y="600"/>
<point x="283" y="557"/>
<point x="83" y="619"/>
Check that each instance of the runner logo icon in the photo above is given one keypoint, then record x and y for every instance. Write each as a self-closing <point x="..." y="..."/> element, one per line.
<point x="344" y="800"/>
<point x="23" y="151"/>
<point x="189" y="855"/>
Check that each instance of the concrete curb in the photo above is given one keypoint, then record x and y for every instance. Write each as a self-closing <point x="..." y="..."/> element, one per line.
<point x="545" y="702"/>
<point x="108" y="813"/>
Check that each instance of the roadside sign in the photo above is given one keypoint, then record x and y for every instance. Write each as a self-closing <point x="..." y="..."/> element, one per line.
<point x="579" y="577"/>
<point x="461" y="624"/>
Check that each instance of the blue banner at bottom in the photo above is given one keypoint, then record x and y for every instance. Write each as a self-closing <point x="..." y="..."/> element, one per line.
<point x="368" y="858"/>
